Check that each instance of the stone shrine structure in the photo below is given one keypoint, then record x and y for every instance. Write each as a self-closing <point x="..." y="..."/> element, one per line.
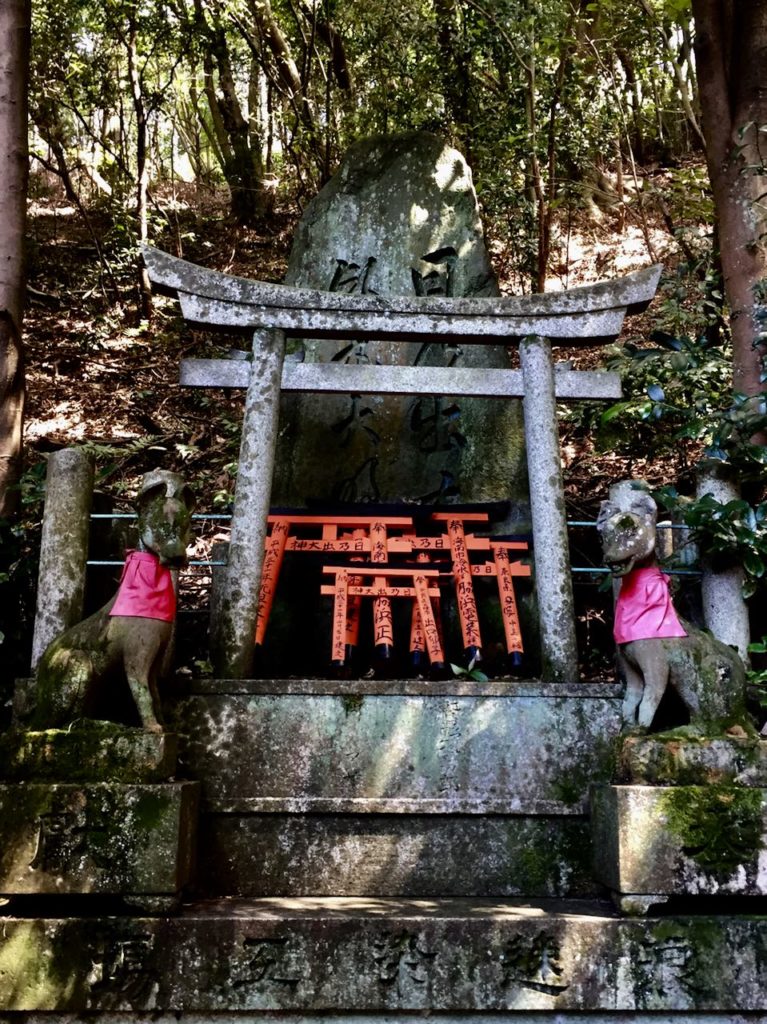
<point x="372" y="850"/>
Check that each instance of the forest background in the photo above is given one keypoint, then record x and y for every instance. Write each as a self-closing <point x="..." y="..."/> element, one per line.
<point x="602" y="134"/>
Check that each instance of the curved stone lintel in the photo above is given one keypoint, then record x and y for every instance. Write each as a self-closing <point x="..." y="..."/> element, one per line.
<point x="592" y="313"/>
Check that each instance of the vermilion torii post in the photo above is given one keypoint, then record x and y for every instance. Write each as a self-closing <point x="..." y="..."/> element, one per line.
<point x="588" y="315"/>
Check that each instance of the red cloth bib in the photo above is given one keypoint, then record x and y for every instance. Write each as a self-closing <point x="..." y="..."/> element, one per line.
<point x="644" y="609"/>
<point x="146" y="589"/>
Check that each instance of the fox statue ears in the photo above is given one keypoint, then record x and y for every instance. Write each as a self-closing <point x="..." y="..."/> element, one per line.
<point x="640" y="504"/>
<point x="161" y="483"/>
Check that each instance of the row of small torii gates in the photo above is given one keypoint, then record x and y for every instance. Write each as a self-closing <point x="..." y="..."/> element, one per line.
<point x="590" y="315"/>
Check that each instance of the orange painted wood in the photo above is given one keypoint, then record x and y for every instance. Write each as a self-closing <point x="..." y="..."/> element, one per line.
<point x="377" y="570"/>
<point x="300" y="519"/>
<point x="273" y="555"/>
<point x="433" y="644"/>
<point x="417" y="638"/>
<point x="464" y="588"/>
<point x="375" y="591"/>
<point x="509" y="612"/>
<point x="466" y="517"/>
<point x="383" y="629"/>
<point x="340" y="596"/>
<point x="354" y="601"/>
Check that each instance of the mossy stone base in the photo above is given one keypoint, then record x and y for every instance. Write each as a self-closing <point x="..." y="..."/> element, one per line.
<point x="680" y="840"/>
<point x="688" y="760"/>
<point x="107" y="838"/>
<point x="396" y="959"/>
<point x="88" y="752"/>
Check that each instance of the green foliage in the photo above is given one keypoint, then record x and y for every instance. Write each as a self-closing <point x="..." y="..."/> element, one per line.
<point x="729" y="533"/>
<point x="757" y="677"/>
<point x="470" y="672"/>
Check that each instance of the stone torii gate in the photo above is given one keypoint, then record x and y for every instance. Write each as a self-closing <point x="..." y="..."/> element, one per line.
<point x="590" y="315"/>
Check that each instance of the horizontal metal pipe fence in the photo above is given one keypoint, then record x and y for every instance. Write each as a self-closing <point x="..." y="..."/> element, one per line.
<point x="221" y="516"/>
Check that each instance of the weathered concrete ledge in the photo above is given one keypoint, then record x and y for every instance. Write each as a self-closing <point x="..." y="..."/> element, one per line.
<point x="92" y="751"/>
<point x="674" y="760"/>
<point x="532" y="753"/>
<point x="408" y="687"/>
<point x="535" y="1017"/>
<point x="373" y="955"/>
<point x="394" y="855"/>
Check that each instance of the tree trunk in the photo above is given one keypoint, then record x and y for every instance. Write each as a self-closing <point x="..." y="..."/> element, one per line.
<point x="730" y="49"/>
<point x="238" y="144"/>
<point x="142" y="166"/>
<point x="14" y="166"/>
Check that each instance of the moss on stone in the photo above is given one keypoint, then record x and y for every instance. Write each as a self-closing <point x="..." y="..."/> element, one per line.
<point x="352" y="702"/>
<point x="720" y="827"/>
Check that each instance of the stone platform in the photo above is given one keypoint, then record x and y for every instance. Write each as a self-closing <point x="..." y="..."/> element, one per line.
<point x="376" y="956"/>
<point x="317" y="787"/>
<point x="653" y="841"/>
<point x="96" y="839"/>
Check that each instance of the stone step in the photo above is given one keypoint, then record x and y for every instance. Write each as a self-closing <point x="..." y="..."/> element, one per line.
<point x="384" y="956"/>
<point x="393" y="788"/>
<point x="394" y="855"/>
<point x="397" y="747"/>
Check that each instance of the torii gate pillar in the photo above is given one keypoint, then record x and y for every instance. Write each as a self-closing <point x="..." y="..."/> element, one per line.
<point x="553" y="582"/>
<point x="232" y="644"/>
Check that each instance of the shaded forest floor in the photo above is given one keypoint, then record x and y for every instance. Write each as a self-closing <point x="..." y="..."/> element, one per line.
<point x="99" y="378"/>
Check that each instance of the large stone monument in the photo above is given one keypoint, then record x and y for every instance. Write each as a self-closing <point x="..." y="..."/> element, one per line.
<point x="400" y="217"/>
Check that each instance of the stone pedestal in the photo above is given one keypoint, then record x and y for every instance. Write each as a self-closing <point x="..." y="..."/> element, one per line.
<point x="100" y="838"/>
<point x="651" y="842"/>
<point x="676" y="759"/>
<point x="89" y="810"/>
<point x="402" y="788"/>
<point x="350" y="961"/>
<point x="92" y="752"/>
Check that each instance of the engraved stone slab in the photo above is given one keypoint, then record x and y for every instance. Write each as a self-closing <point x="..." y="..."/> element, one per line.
<point x="697" y="840"/>
<point x="532" y="753"/>
<point x="103" y="838"/>
<point x="400" y="221"/>
<point x="384" y="956"/>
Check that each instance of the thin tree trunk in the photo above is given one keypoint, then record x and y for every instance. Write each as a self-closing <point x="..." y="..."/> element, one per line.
<point x="14" y="168"/>
<point x="730" y="43"/>
<point x="142" y="167"/>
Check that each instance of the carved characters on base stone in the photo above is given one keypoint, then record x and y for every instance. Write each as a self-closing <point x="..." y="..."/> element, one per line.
<point x="131" y="633"/>
<point x="403" y="960"/>
<point x="124" y="975"/>
<point x="656" y="649"/>
<point x="534" y="962"/>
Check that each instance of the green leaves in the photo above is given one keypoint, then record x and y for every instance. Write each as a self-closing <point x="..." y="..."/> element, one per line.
<point x="729" y="533"/>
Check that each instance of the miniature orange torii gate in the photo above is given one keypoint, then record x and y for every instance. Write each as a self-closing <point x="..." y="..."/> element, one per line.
<point x="358" y="536"/>
<point x="583" y="316"/>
